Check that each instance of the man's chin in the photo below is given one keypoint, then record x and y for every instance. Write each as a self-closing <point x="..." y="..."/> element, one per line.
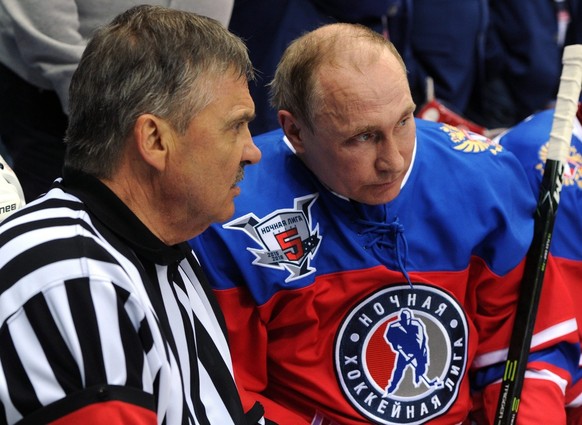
<point x="378" y="198"/>
<point x="226" y="214"/>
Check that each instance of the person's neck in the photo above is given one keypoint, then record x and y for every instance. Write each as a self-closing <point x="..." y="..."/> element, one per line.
<point x="142" y="197"/>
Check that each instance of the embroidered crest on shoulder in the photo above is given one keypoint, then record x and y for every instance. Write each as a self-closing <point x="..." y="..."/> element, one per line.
<point x="401" y="354"/>
<point x="288" y="240"/>
<point x="572" y="170"/>
<point x="467" y="141"/>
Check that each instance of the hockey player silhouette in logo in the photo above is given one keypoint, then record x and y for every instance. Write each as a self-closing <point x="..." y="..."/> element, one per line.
<point x="407" y="337"/>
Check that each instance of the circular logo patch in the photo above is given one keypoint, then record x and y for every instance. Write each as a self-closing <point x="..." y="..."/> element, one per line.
<point x="401" y="353"/>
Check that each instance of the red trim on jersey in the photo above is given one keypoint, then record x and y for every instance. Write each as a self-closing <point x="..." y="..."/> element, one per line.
<point x="110" y="413"/>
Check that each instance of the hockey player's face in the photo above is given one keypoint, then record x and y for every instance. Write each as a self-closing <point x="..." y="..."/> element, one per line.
<point x="364" y="133"/>
<point x="208" y="159"/>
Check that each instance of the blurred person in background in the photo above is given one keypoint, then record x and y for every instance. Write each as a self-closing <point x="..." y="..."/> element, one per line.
<point x="41" y="43"/>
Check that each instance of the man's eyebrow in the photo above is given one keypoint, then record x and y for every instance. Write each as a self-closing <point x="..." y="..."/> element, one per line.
<point x="410" y="109"/>
<point x="245" y="116"/>
<point x="364" y="129"/>
<point x="249" y="116"/>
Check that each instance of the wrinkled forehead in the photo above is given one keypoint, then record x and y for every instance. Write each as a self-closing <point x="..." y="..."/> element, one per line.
<point x="365" y="90"/>
<point x="362" y="51"/>
<point x="357" y="64"/>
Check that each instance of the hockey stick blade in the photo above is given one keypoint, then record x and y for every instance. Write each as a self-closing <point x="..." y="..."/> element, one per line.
<point x="536" y="260"/>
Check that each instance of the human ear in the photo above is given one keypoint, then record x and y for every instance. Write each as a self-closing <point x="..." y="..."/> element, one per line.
<point x="292" y="129"/>
<point x="150" y="136"/>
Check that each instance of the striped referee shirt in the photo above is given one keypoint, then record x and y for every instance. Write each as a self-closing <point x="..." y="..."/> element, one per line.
<point x="94" y="308"/>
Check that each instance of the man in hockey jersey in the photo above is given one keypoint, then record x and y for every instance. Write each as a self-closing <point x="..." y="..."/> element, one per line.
<point x="357" y="213"/>
<point x="528" y="141"/>
<point x="105" y="314"/>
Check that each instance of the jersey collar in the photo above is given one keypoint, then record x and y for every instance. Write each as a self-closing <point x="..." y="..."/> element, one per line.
<point x="113" y="214"/>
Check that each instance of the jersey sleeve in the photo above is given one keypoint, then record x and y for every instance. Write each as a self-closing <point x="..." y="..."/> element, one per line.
<point x="76" y="353"/>
<point x="554" y="350"/>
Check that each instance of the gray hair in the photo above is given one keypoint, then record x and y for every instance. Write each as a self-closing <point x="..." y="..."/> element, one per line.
<point x="149" y="59"/>
<point x="294" y="87"/>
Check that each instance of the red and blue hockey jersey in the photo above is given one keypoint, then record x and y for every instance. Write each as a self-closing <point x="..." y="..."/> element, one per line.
<point x="528" y="141"/>
<point x="388" y="314"/>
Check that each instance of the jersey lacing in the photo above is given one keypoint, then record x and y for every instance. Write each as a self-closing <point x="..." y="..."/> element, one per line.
<point x="390" y="236"/>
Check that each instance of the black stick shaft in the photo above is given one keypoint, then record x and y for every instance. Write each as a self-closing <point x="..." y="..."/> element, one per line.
<point x="535" y="267"/>
<point x="537" y="256"/>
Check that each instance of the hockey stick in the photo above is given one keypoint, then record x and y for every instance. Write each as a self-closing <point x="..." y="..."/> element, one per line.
<point x="536" y="260"/>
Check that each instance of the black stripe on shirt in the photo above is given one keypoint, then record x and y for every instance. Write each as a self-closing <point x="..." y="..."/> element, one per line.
<point x="208" y="353"/>
<point x="152" y="286"/>
<point x="58" y="355"/>
<point x="45" y="204"/>
<point x="157" y="397"/>
<point x="22" y="393"/>
<point x="2" y="414"/>
<point x="85" y="320"/>
<point x="223" y="381"/>
<point x="173" y="276"/>
<point x="193" y="262"/>
<point x="48" y="253"/>
<point x="48" y="223"/>
<point x="133" y="344"/>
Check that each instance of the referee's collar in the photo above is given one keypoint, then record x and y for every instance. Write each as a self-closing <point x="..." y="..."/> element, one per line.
<point x="104" y="205"/>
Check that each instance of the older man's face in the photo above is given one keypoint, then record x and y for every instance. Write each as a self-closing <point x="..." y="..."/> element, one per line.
<point x="364" y="134"/>
<point x="206" y="164"/>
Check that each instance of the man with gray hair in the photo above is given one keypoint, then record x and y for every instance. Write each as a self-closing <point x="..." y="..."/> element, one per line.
<point x="105" y="314"/>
